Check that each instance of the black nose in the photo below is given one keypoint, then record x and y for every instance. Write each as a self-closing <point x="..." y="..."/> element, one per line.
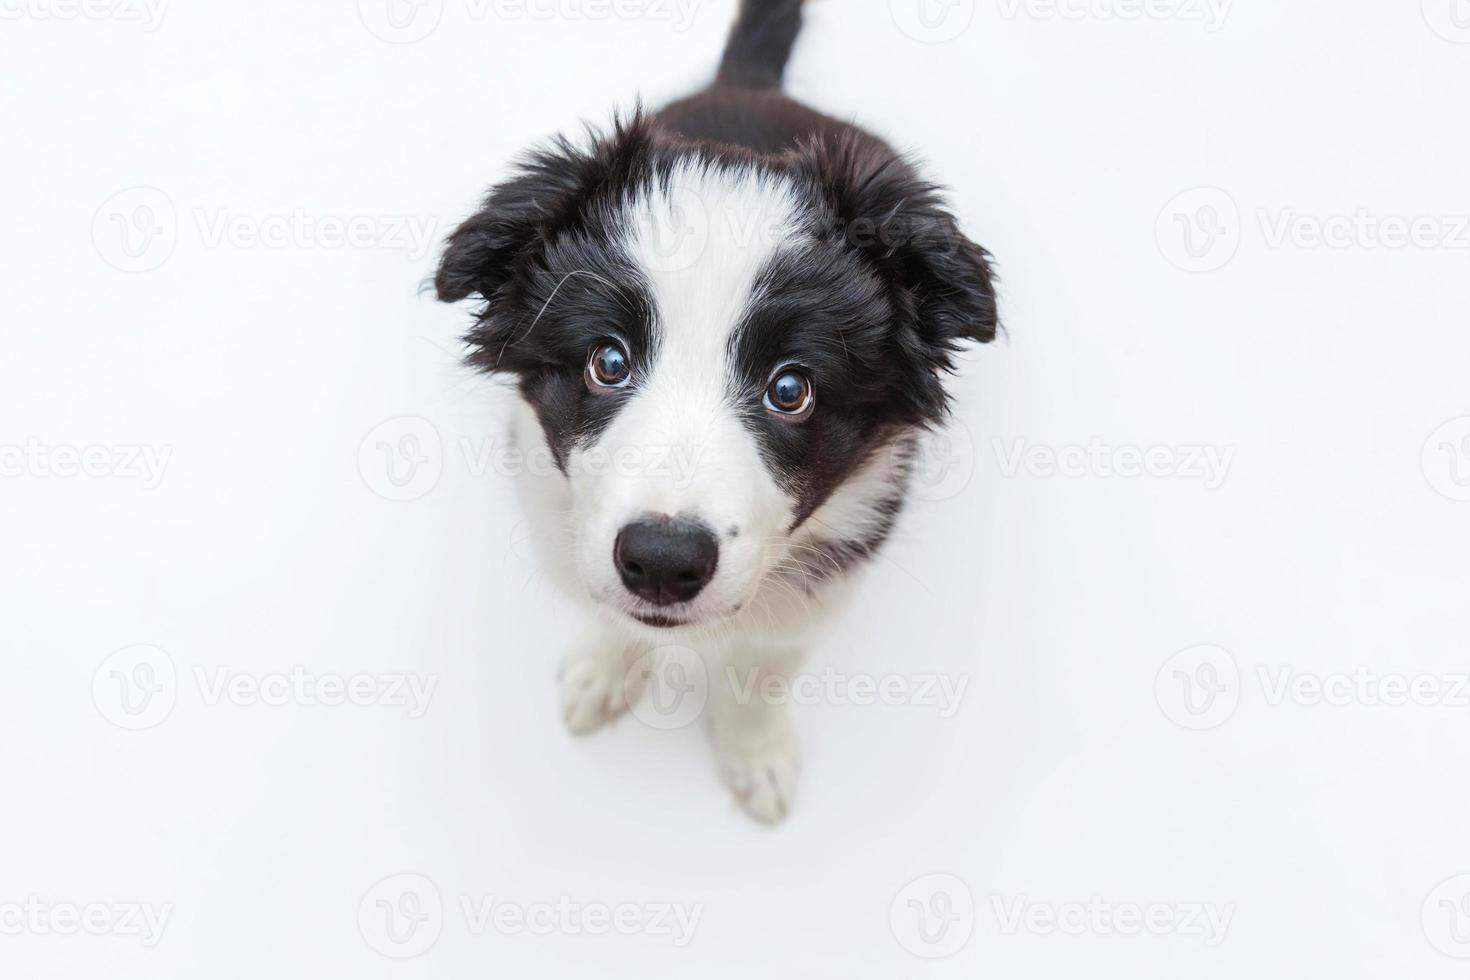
<point x="665" y="560"/>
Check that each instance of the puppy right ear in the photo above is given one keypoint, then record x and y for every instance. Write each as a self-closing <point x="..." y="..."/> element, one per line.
<point x="482" y="255"/>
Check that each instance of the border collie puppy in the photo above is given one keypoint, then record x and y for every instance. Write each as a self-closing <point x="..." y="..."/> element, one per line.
<point x="727" y="321"/>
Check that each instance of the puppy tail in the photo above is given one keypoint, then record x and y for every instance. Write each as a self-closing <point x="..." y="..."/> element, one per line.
<point x="760" y="43"/>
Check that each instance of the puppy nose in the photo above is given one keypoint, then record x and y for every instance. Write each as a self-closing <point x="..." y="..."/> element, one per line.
<point x="665" y="560"/>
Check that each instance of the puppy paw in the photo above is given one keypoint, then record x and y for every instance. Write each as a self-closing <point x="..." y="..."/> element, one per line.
<point x="591" y="687"/>
<point x="761" y="769"/>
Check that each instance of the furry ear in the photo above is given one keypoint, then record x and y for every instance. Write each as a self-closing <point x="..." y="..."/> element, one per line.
<point x="942" y="280"/>
<point x="499" y="253"/>
<point x="546" y="196"/>
<point x="480" y="257"/>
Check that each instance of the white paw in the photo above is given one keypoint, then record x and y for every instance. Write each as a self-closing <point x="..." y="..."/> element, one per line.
<point x="761" y="769"/>
<point x="591" y="690"/>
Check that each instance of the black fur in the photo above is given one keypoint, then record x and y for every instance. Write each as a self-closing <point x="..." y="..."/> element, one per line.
<point x="540" y="255"/>
<point x="760" y="43"/>
<point x="873" y="310"/>
<point x="827" y="311"/>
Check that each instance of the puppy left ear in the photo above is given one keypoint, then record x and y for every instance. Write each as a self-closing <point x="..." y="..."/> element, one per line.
<point x="481" y="255"/>
<point x="943" y="283"/>
<point x="494" y="254"/>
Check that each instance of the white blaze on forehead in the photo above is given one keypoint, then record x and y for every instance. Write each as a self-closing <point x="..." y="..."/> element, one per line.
<point x="701" y="243"/>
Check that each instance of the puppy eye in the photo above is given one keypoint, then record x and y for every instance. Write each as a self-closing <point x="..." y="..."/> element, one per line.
<point x="608" y="367"/>
<point x="790" y="393"/>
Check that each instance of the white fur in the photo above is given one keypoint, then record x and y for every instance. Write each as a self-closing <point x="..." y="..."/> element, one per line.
<point x="679" y="447"/>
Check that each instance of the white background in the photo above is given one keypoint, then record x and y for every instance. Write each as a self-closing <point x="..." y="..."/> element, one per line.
<point x="1072" y="771"/>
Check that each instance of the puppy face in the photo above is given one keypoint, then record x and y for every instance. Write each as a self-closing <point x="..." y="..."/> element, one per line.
<point x="713" y="346"/>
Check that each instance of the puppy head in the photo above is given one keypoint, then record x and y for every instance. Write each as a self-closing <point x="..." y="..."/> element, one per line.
<point x="715" y="344"/>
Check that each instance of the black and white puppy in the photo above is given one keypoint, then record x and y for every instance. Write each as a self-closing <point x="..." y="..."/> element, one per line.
<point x="728" y="321"/>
